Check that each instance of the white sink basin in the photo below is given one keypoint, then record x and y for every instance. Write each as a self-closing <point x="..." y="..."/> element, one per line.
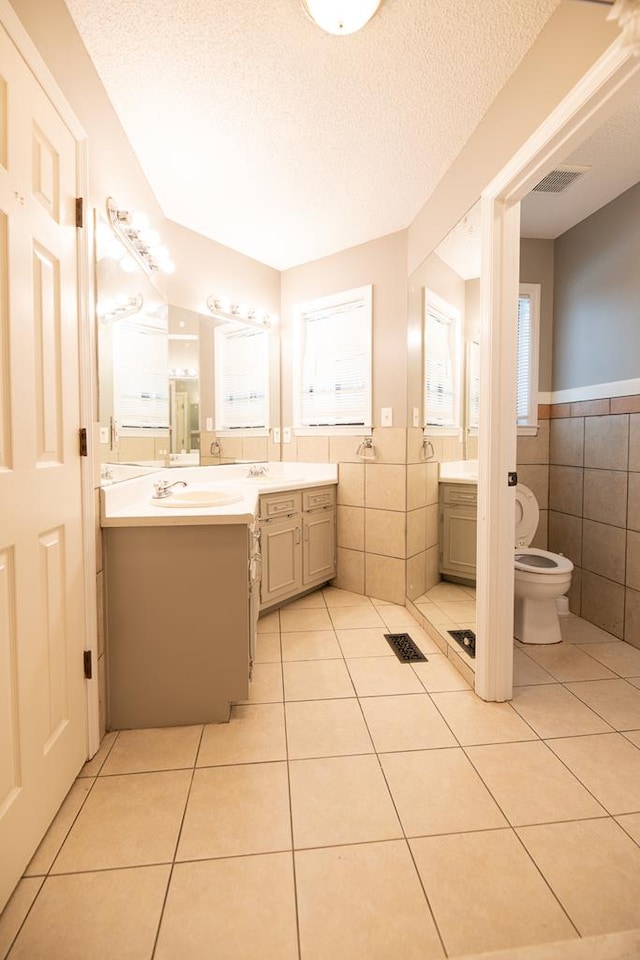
<point x="198" y="498"/>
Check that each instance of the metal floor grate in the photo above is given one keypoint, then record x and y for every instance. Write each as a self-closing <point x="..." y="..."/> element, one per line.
<point x="404" y="647"/>
<point x="466" y="639"/>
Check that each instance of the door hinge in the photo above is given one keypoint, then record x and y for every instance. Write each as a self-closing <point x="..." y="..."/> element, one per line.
<point x="79" y="212"/>
<point x="84" y="452"/>
<point x="88" y="665"/>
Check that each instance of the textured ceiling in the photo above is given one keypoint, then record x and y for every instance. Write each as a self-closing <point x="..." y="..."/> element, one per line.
<point x="260" y="131"/>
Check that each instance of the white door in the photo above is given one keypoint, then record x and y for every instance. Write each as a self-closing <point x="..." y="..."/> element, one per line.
<point x="42" y="687"/>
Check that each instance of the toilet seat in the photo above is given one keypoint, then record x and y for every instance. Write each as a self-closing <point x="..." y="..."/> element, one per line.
<point x="527" y="516"/>
<point x="541" y="563"/>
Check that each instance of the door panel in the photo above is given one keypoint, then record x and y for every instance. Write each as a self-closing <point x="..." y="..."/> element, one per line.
<point x="42" y="686"/>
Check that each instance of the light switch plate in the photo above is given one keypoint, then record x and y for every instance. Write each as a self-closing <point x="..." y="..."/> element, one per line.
<point x="208" y="424"/>
<point x="386" y="417"/>
<point x="104" y="434"/>
<point x="416" y="417"/>
<point x="276" y="434"/>
<point x="286" y="434"/>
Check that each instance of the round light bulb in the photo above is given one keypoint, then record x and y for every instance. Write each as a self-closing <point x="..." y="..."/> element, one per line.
<point x="341" y="17"/>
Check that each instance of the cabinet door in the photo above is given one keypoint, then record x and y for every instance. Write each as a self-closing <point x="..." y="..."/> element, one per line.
<point x="459" y="526"/>
<point x="319" y="546"/>
<point x="281" y="558"/>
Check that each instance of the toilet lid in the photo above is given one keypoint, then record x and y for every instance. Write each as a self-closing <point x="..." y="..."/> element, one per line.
<point x="527" y="515"/>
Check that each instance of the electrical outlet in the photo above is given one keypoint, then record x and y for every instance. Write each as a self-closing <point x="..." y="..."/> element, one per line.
<point x="386" y="417"/>
<point x="208" y="424"/>
<point x="276" y="434"/>
<point x="416" y="417"/>
<point x="104" y="434"/>
<point x="286" y="434"/>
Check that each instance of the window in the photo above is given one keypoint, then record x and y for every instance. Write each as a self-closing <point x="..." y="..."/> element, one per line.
<point x="442" y="364"/>
<point x="473" y="385"/>
<point x="242" y="378"/>
<point x="332" y="361"/>
<point x="141" y="359"/>
<point x="528" y="345"/>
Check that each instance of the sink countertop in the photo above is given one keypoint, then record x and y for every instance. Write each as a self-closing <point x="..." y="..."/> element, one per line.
<point x="129" y="504"/>
<point x="458" y="471"/>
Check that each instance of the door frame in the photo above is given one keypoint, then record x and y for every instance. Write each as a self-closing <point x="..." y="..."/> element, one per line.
<point x="594" y="99"/>
<point x="86" y="340"/>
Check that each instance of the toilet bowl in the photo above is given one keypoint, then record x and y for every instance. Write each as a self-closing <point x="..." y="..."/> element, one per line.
<point x="540" y="577"/>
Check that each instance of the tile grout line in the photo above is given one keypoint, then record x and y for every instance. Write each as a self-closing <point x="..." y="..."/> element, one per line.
<point x="293" y="851"/>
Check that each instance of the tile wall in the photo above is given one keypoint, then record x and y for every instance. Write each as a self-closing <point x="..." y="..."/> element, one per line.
<point x="594" y="508"/>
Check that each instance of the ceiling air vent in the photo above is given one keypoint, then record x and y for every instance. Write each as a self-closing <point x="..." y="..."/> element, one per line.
<point x="560" y="179"/>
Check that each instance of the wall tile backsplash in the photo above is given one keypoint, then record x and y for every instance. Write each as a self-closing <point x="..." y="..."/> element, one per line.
<point x="594" y="509"/>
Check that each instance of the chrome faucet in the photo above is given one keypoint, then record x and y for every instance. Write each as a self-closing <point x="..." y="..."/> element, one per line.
<point x="162" y="489"/>
<point x="258" y="470"/>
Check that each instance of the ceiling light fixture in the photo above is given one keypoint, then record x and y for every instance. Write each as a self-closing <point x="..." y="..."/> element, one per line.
<point x="225" y="310"/>
<point x="110" y="311"/>
<point x="142" y="243"/>
<point x="341" y="17"/>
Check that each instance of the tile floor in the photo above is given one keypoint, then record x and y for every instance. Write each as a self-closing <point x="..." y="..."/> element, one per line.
<point x="355" y="807"/>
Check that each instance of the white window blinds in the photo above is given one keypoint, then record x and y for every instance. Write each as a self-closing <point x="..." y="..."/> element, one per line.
<point x="242" y="378"/>
<point x="473" y="385"/>
<point x="333" y="361"/>
<point x="141" y="360"/>
<point x="442" y="361"/>
<point x="527" y="363"/>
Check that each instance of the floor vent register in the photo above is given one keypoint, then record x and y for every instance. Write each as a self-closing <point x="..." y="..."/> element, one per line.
<point x="466" y="639"/>
<point x="404" y="647"/>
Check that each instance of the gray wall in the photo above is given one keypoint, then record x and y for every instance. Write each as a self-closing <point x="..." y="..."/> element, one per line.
<point x="597" y="297"/>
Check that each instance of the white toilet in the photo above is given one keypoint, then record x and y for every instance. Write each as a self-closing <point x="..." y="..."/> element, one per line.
<point x="541" y="577"/>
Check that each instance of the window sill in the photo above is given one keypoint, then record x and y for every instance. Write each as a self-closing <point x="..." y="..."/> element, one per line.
<point x="244" y="432"/>
<point x="529" y="430"/>
<point x="333" y="431"/>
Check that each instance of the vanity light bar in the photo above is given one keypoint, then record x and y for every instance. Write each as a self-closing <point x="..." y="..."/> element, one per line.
<point x="237" y="311"/>
<point x="139" y="240"/>
<point x="110" y="311"/>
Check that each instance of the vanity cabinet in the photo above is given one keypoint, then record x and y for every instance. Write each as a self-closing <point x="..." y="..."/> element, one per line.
<point x="298" y="542"/>
<point x="180" y="619"/>
<point x="458" y="531"/>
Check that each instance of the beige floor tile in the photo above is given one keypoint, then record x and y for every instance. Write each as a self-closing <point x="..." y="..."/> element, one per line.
<point x="608" y="765"/>
<point x="268" y="648"/>
<point x="616" y="701"/>
<point x="15" y="911"/>
<point x="438" y="791"/>
<point x="127" y="821"/>
<point x="553" y="711"/>
<point x="526" y="672"/>
<point x="438" y="674"/>
<point x="236" y="810"/>
<point x="310" y="645"/>
<point x="630" y="823"/>
<point x="405" y="723"/>
<point x="316" y="680"/>
<point x="230" y="909"/>
<point x="313" y="618"/>
<point x="393" y="613"/>
<point x="377" y="676"/>
<point x="55" y="836"/>
<point x="254" y="734"/>
<point x="531" y="785"/>
<point x="593" y="867"/>
<point x="340" y="800"/>
<point x="326" y="728"/>
<point x="269" y="622"/>
<point x="633" y="736"/>
<point x="419" y="635"/>
<point x="511" y="904"/>
<point x="265" y="685"/>
<point x="345" y="618"/>
<point x="366" y="642"/>
<point x="446" y="593"/>
<point x="473" y="721"/>
<point x="315" y="599"/>
<point x="334" y="597"/>
<point x="92" y="767"/>
<point x="634" y="680"/>
<point x="141" y="751"/>
<point x="112" y="913"/>
<point x="458" y="610"/>
<point x="363" y="901"/>
<point x="564" y="661"/>
<point x="619" y="656"/>
<point x="577" y="630"/>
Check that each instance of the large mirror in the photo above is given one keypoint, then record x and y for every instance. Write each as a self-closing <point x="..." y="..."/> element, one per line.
<point x="177" y="387"/>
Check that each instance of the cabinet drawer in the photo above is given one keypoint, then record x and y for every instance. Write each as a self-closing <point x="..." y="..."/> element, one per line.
<point x="280" y="504"/>
<point x="318" y="497"/>
<point x="463" y="493"/>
